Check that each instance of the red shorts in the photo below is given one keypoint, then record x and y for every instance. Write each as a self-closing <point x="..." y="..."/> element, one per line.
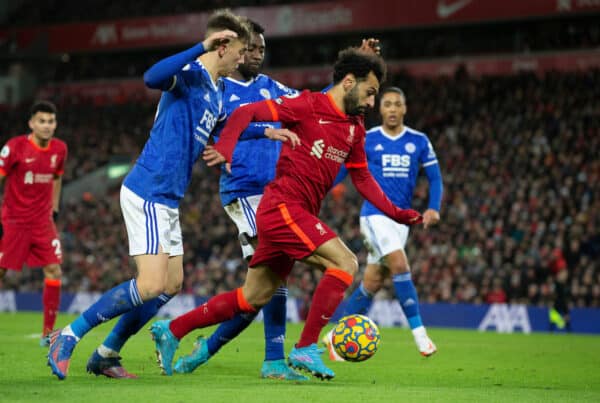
<point x="37" y="246"/>
<point x="286" y="233"/>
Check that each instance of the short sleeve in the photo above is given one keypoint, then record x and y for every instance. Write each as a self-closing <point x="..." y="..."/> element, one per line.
<point x="60" y="166"/>
<point x="8" y="157"/>
<point x="290" y="109"/>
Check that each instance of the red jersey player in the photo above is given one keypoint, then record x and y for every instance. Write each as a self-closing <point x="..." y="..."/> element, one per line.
<point x="330" y="128"/>
<point x="32" y="165"/>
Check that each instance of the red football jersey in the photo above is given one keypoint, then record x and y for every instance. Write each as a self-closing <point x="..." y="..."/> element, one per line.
<point x="30" y="172"/>
<point x="329" y="139"/>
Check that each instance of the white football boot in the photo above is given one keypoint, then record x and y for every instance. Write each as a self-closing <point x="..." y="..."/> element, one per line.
<point x="327" y="342"/>
<point x="423" y="342"/>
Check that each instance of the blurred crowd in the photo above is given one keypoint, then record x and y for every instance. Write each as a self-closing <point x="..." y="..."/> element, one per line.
<point x="412" y="43"/>
<point x="32" y="12"/>
<point x="521" y="168"/>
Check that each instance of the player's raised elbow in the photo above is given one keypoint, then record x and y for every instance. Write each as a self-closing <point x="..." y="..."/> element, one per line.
<point x="151" y="81"/>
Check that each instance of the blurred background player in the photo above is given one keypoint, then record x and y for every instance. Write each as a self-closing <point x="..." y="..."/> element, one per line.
<point x="33" y="165"/>
<point x="332" y="132"/>
<point x="253" y="166"/>
<point x="395" y="153"/>
<point x="188" y="111"/>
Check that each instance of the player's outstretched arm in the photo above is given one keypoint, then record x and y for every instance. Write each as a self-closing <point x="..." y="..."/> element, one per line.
<point x="369" y="189"/>
<point x="237" y="123"/>
<point x="285" y="135"/>
<point x="161" y="75"/>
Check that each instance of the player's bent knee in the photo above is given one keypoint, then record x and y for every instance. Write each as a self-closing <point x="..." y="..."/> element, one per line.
<point x="350" y="265"/>
<point x="258" y="297"/>
<point x="174" y="289"/>
<point x="53" y="271"/>
<point x="372" y="285"/>
<point x="149" y="290"/>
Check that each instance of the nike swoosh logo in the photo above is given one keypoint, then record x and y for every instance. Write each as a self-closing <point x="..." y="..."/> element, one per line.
<point x="446" y="10"/>
<point x="324" y="122"/>
<point x="325" y="317"/>
<point x="28" y="160"/>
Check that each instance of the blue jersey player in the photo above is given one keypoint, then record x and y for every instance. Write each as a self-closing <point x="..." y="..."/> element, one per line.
<point x="188" y="111"/>
<point x="253" y="166"/>
<point x="395" y="154"/>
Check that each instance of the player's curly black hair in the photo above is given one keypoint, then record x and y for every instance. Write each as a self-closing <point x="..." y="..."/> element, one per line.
<point x="360" y="64"/>
<point x="254" y="26"/>
<point x="42" y="106"/>
<point x="225" y="19"/>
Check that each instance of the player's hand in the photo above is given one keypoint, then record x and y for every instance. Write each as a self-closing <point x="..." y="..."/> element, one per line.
<point x="212" y="156"/>
<point x="430" y="217"/>
<point x="409" y="217"/>
<point x="284" y="135"/>
<point x="217" y="39"/>
<point x="371" y="45"/>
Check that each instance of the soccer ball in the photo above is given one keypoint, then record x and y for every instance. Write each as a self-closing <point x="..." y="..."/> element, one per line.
<point x="355" y="338"/>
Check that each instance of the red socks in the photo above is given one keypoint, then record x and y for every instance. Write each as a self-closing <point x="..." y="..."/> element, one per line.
<point x="51" y="302"/>
<point x="328" y="295"/>
<point x="216" y="310"/>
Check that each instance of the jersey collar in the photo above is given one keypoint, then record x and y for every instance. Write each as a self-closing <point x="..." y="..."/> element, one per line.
<point x="391" y="136"/>
<point x="335" y="107"/>
<point x="243" y="83"/>
<point x="37" y="147"/>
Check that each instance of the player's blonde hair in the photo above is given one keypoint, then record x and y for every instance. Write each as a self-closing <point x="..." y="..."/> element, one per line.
<point x="225" y="19"/>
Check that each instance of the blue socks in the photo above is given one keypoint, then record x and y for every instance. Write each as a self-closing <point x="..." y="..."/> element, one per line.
<point x="275" y="316"/>
<point x="113" y="303"/>
<point x="131" y="322"/>
<point x="359" y="302"/>
<point x="228" y="331"/>
<point x="407" y="296"/>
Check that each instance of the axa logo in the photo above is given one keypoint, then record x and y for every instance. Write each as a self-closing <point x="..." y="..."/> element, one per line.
<point x="317" y="148"/>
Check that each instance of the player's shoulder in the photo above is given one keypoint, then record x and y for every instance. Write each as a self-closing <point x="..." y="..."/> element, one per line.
<point x="17" y="141"/>
<point x="374" y="130"/>
<point x="58" y="144"/>
<point x="304" y="96"/>
<point x="270" y="81"/>
<point x="416" y="133"/>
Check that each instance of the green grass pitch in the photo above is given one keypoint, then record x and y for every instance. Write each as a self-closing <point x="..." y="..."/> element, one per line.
<point x="469" y="367"/>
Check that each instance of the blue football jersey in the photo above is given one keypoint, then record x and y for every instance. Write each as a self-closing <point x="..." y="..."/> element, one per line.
<point x="394" y="162"/>
<point x="255" y="156"/>
<point x="187" y="114"/>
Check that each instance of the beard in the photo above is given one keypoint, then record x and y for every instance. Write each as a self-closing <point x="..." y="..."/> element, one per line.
<point x="247" y="71"/>
<point x="351" y="103"/>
